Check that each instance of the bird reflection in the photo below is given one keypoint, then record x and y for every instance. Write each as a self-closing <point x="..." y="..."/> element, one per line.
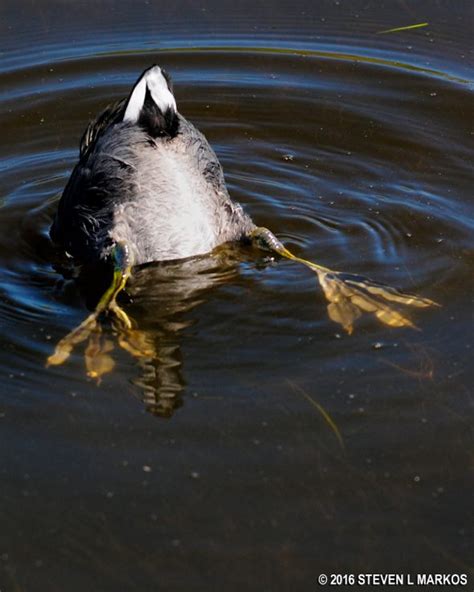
<point x="158" y="298"/>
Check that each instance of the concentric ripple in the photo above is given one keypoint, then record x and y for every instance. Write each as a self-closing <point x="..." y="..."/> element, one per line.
<point x="293" y="449"/>
<point x="339" y="155"/>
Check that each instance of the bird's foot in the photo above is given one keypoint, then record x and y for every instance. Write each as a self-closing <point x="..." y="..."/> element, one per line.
<point x="349" y="295"/>
<point x="97" y="352"/>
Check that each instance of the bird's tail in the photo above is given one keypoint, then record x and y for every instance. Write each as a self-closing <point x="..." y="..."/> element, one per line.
<point x="151" y="104"/>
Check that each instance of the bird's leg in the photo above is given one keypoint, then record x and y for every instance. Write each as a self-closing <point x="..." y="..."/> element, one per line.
<point x="121" y="272"/>
<point x="132" y="340"/>
<point x="348" y="295"/>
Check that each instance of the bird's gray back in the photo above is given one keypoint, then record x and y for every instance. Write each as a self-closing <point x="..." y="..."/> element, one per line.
<point x="164" y="197"/>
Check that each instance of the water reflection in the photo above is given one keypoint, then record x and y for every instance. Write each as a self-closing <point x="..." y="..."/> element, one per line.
<point x="158" y="297"/>
<point x="246" y="486"/>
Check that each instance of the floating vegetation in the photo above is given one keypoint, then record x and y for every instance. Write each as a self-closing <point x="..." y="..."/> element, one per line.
<point x="327" y="418"/>
<point x="407" y="28"/>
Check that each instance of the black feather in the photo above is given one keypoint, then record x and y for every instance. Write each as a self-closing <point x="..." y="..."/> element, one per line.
<point x="154" y="121"/>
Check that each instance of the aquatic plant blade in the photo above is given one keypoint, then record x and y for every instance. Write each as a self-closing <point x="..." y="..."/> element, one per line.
<point x="327" y="418"/>
<point x="407" y="28"/>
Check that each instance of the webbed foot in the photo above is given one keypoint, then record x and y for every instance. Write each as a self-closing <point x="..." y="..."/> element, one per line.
<point x="348" y="295"/>
<point x="97" y="358"/>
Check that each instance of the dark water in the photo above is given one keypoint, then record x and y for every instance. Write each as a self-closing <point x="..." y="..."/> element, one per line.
<point x="356" y="149"/>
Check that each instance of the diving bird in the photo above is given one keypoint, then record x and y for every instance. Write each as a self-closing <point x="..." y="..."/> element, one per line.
<point x="147" y="179"/>
<point x="148" y="187"/>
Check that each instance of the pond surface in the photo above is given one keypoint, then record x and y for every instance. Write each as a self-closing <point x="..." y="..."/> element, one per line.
<point x="290" y="448"/>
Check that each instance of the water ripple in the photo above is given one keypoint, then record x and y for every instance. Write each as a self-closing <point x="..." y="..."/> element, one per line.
<point x="337" y="152"/>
